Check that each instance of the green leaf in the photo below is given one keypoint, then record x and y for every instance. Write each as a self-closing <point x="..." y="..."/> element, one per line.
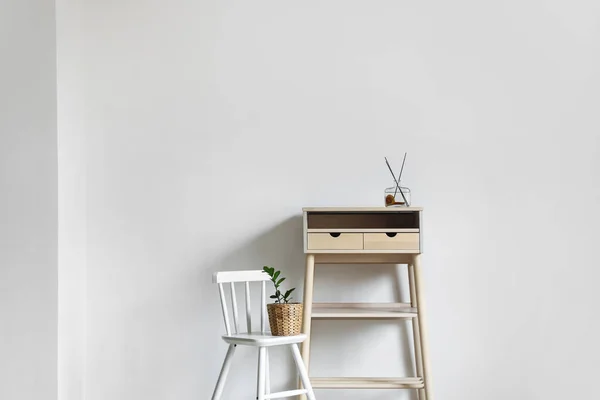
<point x="286" y="295"/>
<point x="279" y="281"/>
<point x="268" y="270"/>
<point x="272" y="296"/>
<point x="276" y="274"/>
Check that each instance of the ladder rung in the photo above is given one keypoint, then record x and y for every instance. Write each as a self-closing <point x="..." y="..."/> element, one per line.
<point x="288" y="393"/>
<point x="363" y="313"/>
<point x="367" y="383"/>
<point x="369" y="306"/>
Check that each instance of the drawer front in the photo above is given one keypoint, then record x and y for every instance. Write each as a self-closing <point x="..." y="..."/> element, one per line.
<point x="335" y="241"/>
<point x="392" y="241"/>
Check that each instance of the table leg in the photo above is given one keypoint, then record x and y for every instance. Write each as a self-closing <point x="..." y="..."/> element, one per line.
<point x="422" y="326"/>
<point x="309" y="277"/>
<point x="416" y="331"/>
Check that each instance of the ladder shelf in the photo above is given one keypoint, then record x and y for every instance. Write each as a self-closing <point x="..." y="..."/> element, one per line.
<point x="368" y="235"/>
<point x="367" y="383"/>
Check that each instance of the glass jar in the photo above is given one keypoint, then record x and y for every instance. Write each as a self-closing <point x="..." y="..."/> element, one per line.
<point x="393" y="197"/>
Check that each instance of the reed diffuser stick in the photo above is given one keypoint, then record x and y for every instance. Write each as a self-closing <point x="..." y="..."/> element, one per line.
<point x="396" y="180"/>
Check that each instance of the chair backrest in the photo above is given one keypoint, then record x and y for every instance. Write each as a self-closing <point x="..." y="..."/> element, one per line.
<point x="233" y="277"/>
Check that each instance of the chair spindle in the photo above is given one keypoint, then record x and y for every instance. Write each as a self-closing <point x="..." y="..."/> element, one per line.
<point x="263" y="307"/>
<point x="234" y="306"/>
<point x="248" y="315"/>
<point x="224" y="309"/>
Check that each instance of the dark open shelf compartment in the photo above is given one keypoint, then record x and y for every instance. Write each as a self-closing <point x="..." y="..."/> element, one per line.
<point x="358" y="220"/>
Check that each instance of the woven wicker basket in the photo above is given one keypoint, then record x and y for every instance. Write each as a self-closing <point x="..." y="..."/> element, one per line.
<point x="285" y="319"/>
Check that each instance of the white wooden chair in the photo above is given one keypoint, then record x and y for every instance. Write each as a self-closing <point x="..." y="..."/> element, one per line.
<point x="263" y="340"/>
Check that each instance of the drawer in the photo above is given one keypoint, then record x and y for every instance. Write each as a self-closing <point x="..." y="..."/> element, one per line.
<point x="392" y="241"/>
<point x="335" y="241"/>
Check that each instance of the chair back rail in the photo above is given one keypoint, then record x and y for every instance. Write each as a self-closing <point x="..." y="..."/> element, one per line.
<point x="247" y="277"/>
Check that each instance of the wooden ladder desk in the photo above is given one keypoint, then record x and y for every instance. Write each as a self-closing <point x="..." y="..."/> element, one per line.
<point x="368" y="235"/>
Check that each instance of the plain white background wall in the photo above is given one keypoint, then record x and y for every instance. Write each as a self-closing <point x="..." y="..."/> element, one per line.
<point x="71" y="201"/>
<point x="28" y="209"/>
<point x="208" y="125"/>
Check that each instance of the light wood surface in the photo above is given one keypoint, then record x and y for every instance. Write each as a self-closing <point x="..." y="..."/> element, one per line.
<point x="344" y="251"/>
<point x="369" y="306"/>
<point x="422" y="326"/>
<point x="399" y="241"/>
<point x="384" y="230"/>
<point x="361" y="209"/>
<point x="361" y="313"/>
<point x="416" y="332"/>
<point x="344" y="241"/>
<point x="366" y="383"/>
<point x="370" y="235"/>
<point x="373" y="257"/>
<point x="304" y="230"/>
<point x="309" y="277"/>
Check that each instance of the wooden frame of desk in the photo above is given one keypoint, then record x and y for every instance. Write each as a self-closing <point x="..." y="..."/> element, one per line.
<point x="368" y="235"/>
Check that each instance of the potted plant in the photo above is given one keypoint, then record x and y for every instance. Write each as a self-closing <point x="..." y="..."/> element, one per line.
<point x="285" y="318"/>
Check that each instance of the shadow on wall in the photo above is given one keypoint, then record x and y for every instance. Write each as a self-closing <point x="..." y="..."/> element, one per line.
<point x="280" y="247"/>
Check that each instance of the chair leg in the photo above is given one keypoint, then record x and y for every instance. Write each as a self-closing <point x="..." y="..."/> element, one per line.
<point x="267" y="372"/>
<point x="303" y="372"/>
<point x="262" y="353"/>
<point x="223" y="374"/>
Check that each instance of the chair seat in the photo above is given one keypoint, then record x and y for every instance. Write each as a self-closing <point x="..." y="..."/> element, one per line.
<point x="262" y="339"/>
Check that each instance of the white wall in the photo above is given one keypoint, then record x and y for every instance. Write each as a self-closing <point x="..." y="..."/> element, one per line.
<point x="28" y="205"/>
<point x="71" y="201"/>
<point x="208" y="125"/>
